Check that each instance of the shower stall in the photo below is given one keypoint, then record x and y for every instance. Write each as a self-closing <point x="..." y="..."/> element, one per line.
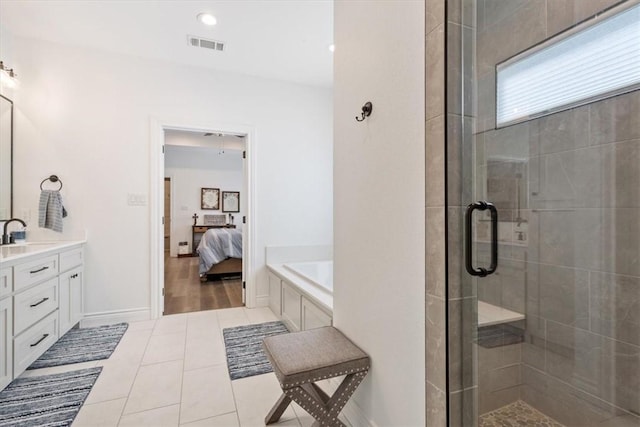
<point x="541" y="229"/>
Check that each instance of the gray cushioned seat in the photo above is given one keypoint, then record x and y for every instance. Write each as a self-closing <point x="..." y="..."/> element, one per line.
<point x="309" y="356"/>
<point x="299" y="359"/>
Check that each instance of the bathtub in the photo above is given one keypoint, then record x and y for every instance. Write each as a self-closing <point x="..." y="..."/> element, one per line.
<point x="319" y="273"/>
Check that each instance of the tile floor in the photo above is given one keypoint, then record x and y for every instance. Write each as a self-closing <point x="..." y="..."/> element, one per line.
<point x="173" y="372"/>
<point x="517" y="414"/>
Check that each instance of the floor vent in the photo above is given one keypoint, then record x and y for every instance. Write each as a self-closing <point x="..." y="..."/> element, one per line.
<point x="205" y="43"/>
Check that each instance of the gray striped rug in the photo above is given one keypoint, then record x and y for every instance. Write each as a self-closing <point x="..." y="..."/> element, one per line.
<point x="245" y="356"/>
<point x="82" y="345"/>
<point x="47" y="400"/>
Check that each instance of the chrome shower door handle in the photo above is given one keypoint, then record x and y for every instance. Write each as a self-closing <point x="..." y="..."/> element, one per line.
<point x="468" y="247"/>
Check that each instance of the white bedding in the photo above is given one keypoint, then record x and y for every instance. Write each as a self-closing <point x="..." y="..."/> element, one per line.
<point x="218" y="244"/>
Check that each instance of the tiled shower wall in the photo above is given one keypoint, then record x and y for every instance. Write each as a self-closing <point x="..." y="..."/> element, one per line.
<point x="436" y="379"/>
<point x="576" y="276"/>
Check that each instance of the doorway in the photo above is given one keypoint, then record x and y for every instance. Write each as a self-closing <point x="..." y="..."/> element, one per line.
<point x="203" y="268"/>
<point x="157" y="159"/>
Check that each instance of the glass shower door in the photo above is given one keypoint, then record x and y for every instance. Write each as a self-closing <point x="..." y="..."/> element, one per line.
<point x="543" y="212"/>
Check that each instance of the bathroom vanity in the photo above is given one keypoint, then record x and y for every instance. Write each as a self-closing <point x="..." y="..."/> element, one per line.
<point x="41" y="298"/>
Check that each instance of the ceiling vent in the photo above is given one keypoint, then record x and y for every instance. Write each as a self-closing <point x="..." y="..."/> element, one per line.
<point x="205" y="43"/>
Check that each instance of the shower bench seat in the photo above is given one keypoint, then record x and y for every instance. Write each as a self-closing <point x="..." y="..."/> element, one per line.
<point x="489" y="314"/>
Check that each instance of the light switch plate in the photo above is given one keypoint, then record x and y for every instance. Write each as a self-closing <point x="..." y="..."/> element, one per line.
<point x="136" y="199"/>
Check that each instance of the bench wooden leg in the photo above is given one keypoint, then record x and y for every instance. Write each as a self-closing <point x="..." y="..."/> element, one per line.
<point x="278" y="409"/>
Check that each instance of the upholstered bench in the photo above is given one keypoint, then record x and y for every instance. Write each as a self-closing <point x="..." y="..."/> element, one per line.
<point x="299" y="359"/>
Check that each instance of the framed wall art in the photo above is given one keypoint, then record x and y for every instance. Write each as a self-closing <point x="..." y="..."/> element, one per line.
<point x="210" y="198"/>
<point x="230" y="201"/>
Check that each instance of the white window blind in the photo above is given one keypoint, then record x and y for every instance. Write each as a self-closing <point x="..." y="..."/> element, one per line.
<point x="600" y="60"/>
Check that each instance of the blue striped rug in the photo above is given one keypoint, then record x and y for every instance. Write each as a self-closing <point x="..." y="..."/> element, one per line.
<point x="243" y="344"/>
<point x="47" y="400"/>
<point x="82" y="345"/>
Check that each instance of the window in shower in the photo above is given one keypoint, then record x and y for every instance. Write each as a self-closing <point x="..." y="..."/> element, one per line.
<point x="595" y="60"/>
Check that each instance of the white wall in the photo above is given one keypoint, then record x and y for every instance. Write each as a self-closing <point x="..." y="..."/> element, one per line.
<point x="190" y="169"/>
<point x="6" y="55"/>
<point x="85" y="116"/>
<point x="379" y="215"/>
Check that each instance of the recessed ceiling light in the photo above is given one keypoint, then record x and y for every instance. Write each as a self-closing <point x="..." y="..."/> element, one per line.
<point x="332" y="47"/>
<point x="207" y="19"/>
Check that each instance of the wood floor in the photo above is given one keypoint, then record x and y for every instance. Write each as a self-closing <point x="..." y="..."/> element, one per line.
<point x="183" y="291"/>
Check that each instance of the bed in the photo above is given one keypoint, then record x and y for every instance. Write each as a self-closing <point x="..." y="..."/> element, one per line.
<point x="220" y="253"/>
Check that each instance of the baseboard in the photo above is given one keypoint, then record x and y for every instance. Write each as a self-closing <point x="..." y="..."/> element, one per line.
<point x="262" y="301"/>
<point x="115" y="316"/>
<point x="355" y="416"/>
<point x="351" y="411"/>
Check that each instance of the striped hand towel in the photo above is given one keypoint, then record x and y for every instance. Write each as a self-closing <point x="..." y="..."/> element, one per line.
<point x="50" y="210"/>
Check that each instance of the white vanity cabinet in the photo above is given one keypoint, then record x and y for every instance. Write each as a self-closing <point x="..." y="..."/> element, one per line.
<point x="71" y="296"/>
<point x="6" y="342"/>
<point x="33" y="304"/>
<point x="34" y="271"/>
<point x="71" y="289"/>
<point x="30" y="344"/>
<point x="41" y="298"/>
<point x="6" y="282"/>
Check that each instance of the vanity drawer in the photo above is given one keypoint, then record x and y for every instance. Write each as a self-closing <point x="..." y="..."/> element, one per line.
<point x="35" y="271"/>
<point x="32" y="305"/>
<point x="34" y="341"/>
<point x="70" y="259"/>
<point x="6" y="282"/>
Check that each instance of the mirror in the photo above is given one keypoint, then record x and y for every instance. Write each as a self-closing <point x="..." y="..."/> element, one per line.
<point x="6" y="158"/>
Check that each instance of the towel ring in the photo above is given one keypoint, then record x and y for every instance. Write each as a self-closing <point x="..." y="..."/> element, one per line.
<point x="52" y="178"/>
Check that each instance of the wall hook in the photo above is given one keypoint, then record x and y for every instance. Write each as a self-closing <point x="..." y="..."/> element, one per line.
<point x="366" y="111"/>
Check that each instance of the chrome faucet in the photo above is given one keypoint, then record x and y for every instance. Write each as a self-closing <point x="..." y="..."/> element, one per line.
<point x="5" y="237"/>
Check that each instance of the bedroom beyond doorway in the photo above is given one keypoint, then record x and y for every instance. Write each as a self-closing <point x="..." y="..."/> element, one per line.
<point x="203" y="267"/>
<point x="184" y="292"/>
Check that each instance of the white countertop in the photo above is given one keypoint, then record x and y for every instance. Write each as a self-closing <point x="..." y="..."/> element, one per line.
<point x="310" y="290"/>
<point x="489" y="314"/>
<point x="19" y="251"/>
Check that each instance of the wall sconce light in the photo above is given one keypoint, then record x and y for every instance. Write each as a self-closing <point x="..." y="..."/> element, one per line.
<point x="8" y="76"/>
